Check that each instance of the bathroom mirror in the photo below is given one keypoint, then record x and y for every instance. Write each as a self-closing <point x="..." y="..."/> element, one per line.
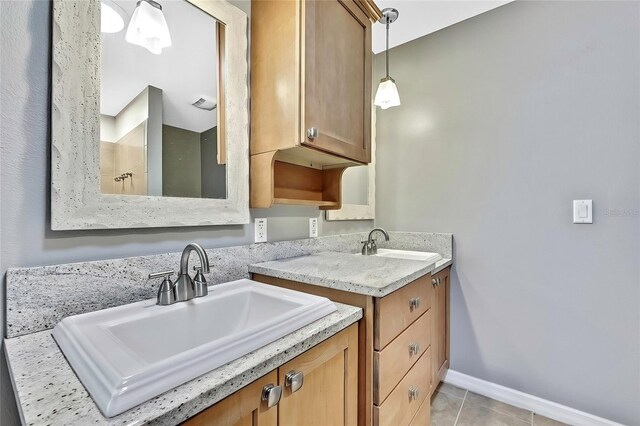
<point x="358" y="187"/>
<point x="144" y="94"/>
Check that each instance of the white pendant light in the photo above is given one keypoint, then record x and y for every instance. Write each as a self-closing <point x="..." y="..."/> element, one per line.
<point x="387" y="94"/>
<point x="111" y="20"/>
<point x="148" y="28"/>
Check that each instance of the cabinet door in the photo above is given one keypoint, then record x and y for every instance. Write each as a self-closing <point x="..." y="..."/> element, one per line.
<point x="243" y="408"/>
<point x="329" y="393"/>
<point x="337" y="78"/>
<point x="441" y="324"/>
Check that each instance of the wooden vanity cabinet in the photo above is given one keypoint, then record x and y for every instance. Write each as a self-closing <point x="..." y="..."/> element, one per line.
<point x="403" y="347"/>
<point x="310" y="96"/>
<point x="328" y="395"/>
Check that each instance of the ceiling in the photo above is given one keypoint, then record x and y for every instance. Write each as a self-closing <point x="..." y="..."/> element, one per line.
<point x="185" y="71"/>
<point x="421" y="17"/>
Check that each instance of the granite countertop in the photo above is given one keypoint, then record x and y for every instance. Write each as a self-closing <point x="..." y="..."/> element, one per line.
<point x="48" y="391"/>
<point x="368" y="275"/>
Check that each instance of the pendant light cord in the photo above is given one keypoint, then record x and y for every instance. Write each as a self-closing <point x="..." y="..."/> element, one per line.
<point x="387" y="51"/>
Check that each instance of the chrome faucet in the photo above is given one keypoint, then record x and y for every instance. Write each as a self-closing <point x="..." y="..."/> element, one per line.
<point x="184" y="288"/>
<point x="370" y="248"/>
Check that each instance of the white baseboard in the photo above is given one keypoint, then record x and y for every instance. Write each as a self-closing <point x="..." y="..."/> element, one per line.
<point x="550" y="409"/>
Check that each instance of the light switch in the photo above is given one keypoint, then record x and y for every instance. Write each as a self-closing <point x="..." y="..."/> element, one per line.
<point x="582" y="211"/>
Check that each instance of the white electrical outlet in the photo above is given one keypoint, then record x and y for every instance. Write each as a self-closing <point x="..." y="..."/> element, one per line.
<point x="261" y="230"/>
<point x="313" y="227"/>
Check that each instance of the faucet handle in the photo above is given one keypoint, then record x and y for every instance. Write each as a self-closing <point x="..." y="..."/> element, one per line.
<point x="166" y="291"/>
<point x="199" y="283"/>
<point x="365" y="248"/>
<point x="373" y="247"/>
<point x="163" y="274"/>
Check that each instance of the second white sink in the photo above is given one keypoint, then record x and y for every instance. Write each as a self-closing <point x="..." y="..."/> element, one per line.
<point x="409" y="255"/>
<point x="132" y="353"/>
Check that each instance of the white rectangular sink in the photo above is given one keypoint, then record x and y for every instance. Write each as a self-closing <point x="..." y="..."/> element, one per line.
<point x="129" y="354"/>
<point x="409" y="255"/>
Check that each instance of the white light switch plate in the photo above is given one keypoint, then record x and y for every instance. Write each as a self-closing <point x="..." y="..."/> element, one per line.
<point x="582" y="211"/>
<point x="261" y="230"/>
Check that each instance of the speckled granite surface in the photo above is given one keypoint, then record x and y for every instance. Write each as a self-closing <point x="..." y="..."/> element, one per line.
<point x="39" y="297"/>
<point x="368" y="275"/>
<point x="440" y="265"/>
<point x="50" y="393"/>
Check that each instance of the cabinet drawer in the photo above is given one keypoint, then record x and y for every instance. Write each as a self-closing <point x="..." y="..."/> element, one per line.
<point x="400" y="407"/>
<point x="423" y="416"/>
<point x="395" y="312"/>
<point x="393" y="362"/>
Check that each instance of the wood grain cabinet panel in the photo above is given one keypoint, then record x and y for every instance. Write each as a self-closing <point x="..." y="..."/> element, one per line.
<point x="423" y="416"/>
<point x="400" y="309"/>
<point x="337" y="84"/>
<point x="441" y="316"/>
<point x="329" y="394"/>
<point x="393" y="362"/>
<point x="243" y="408"/>
<point x="405" y="400"/>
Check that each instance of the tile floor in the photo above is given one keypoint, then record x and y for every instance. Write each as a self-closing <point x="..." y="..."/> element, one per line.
<point x="453" y="406"/>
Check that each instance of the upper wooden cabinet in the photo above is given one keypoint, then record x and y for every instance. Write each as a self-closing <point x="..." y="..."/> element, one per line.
<point x="310" y="97"/>
<point x="311" y="69"/>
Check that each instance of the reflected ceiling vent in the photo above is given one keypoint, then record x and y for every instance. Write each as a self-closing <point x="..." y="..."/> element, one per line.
<point x="204" y="103"/>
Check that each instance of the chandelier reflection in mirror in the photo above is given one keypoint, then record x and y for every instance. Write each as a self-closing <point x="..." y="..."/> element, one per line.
<point x="147" y="27"/>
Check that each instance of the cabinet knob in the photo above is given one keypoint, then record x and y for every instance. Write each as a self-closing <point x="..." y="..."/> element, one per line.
<point x="414" y="303"/>
<point x="434" y="282"/>
<point x="271" y="395"/>
<point x="414" y="348"/>
<point x="294" y="380"/>
<point x="312" y="133"/>
<point x="413" y="393"/>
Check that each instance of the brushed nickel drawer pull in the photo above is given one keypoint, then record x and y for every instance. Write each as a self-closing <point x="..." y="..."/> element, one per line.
<point x="271" y="395"/>
<point x="413" y="393"/>
<point x="414" y="303"/>
<point x="294" y="380"/>
<point x="312" y="133"/>
<point x="414" y="348"/>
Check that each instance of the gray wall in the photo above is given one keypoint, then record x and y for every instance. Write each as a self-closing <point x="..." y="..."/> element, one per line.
<point x="505" y="119"/>
<point x="213" y="175"/>
<point x="25" y="238"/>
<point x="181" y="162"/>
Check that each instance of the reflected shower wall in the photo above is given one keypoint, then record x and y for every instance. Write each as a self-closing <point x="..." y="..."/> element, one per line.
<point x="126" y="150"/>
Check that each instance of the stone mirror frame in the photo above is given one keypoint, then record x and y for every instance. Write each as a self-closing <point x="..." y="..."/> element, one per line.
<point x="361" y="211"/>
<point x="76" y="200"/>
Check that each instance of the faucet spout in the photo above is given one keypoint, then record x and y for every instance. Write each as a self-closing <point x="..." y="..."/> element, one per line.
<point x="386" y="235"/>
<point x="184" y="260"/>
<point x="370" y="248"/>
<point x="185" y="288"/>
